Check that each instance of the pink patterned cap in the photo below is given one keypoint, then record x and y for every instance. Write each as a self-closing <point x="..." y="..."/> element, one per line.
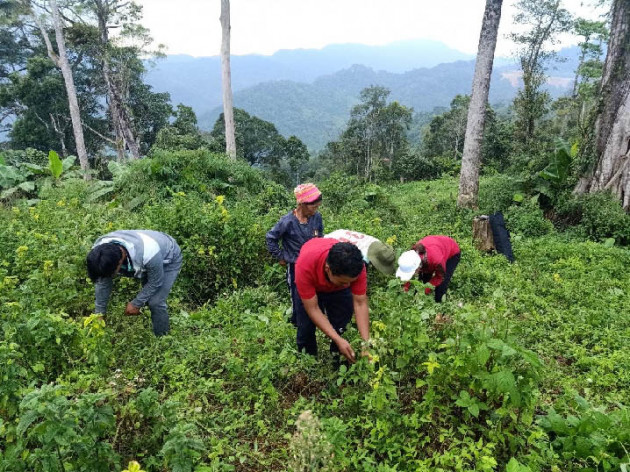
<point x="306" y="193"/>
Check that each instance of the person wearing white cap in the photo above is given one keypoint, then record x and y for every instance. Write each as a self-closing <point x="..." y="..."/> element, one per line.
<point x="434" y="259"/>
<point x="382" y="256"/>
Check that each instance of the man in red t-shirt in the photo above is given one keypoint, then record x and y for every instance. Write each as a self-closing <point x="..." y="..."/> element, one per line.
<point x="331" y="281"/>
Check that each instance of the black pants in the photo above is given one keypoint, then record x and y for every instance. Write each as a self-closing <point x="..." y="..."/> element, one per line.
<point x="337" y="306"/>
<point x="292" y="291"/>
<point x="451" y="265"/>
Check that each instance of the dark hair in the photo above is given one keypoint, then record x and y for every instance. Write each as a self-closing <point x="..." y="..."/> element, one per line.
<point x="103" y="260"/>
<point x="419" y="248"/>
<point x="317" y="200"/>
<point x="345" y="259"/>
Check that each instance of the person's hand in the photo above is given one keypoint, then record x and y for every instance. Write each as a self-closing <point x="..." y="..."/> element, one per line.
<point x="282" y="262"/>
<point x="346" y="350"/>
<point x="427" y="290"/>
<point x="132" y="310"/>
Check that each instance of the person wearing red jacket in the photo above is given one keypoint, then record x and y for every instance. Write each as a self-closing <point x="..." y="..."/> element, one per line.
<point x="331" y="281"/>
<point x="434" y="259"/>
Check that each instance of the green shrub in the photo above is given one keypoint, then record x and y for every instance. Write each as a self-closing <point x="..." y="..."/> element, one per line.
<point x="527" y="219"/>
<point x="597" y="216"/>
<point x="200" y="171"/>
<point x="497" y="193"/>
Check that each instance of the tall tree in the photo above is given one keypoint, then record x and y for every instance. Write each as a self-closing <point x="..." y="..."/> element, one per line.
<point x="106" y="12"/>
<point x="445" y="134"/>
<point x="612" y="126"/>
<point x="228" y="110"/>
<point x="546" y="19"/>
<point x="297" y="156"/>
<point x="61" y="60"/>
<point x="471" y="159"/>
<point x="258" y="141"/>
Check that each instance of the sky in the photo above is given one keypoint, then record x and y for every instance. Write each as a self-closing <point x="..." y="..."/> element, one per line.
<point x="264" y="26"/>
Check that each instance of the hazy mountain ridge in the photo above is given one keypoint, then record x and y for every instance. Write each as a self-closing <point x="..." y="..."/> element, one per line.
<point x="316" y="108"/>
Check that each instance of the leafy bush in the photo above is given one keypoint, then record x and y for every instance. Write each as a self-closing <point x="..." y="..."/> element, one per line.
<point x="527" y="219"/>
<point x="497" y="193"/>
<point x="597" y="216"/>
<point x="200" y="171"/>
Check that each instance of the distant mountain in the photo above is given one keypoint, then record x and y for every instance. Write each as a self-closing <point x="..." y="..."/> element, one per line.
<point x="306" y="93"/>
<point x="317" y="112"/>
<point x="197" y="81"/>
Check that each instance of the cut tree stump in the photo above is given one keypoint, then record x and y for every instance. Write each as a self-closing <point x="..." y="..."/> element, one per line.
<point x="482" y="233"/>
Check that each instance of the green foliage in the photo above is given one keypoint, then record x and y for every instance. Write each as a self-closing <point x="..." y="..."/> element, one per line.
<point x="375" y="139"/>
<point x="596" y="216"/>
<point x="183" y="134"/>
<point x="527" y="219"/>
<point x="592" y="437"/>
<point x="468" y="384"/>
<point x="22" y="177"/>
<point x="198" y="171"/>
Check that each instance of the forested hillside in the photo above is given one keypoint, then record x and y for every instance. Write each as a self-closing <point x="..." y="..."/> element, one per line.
<point x="315" y="108"/>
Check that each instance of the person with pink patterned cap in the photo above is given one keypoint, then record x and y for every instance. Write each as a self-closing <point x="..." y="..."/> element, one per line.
<point x="287" y="237"/>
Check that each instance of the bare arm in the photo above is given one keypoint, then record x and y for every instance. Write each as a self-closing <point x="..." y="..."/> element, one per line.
<point x="362" y="315"/>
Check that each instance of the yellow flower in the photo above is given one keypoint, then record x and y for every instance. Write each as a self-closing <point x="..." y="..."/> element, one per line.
<point x="219" y="199"/>
<point x="431" y="364"/>
<point x="21" y="251"/>
<point x="61" y="203"/>
<point x="378" y="326"/>
<point x="391" y="240"/>
<point x="133" y="467"/>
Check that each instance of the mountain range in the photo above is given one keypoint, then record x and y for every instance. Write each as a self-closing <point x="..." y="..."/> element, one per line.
<point x="309" y="93"/>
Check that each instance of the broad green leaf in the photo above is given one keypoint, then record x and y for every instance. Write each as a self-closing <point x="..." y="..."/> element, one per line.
<point x="68" y="162"/>
<point x="34" y="168"/>
<point x="609" y="242"/>
<point x="55" y="165"/>
<point x="518" y="197"/>
<point x="27" y="186"/>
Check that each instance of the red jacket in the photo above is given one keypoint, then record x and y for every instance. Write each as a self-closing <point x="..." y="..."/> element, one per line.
<point x="439" y="249"/>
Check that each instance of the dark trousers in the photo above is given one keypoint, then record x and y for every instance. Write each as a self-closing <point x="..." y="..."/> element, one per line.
<point x="293" y="291"/>
<point x="157" y="303"/>
<point x="440" y="290"/>
<point x="337" y="306"/>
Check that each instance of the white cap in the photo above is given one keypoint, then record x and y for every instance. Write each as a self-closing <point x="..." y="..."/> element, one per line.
<point x="408" y="263"/>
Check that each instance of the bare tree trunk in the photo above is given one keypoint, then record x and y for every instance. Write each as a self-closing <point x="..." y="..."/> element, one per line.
<point x="61" y="134"/>
<point x="122" y="122"/>
<point x="471" y="159"/>
<point x="228" y="107"/>
<point x="61" y="61"/>
<point x="612" y="127"/>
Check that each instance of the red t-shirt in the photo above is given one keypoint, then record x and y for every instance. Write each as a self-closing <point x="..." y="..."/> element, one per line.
<point x="439" y="250"/>
<point x="310" y="277"/>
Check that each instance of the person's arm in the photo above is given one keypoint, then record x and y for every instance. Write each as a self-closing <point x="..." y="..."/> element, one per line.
<point x="438" y="276"/>
<point x="321" y="226"/>
<point x="155" y="279"/>
<point x="319" y="319"/>
<point x="362" y="315"/>
<point x="273" y="237"/>
<point x="102" y="292"/>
